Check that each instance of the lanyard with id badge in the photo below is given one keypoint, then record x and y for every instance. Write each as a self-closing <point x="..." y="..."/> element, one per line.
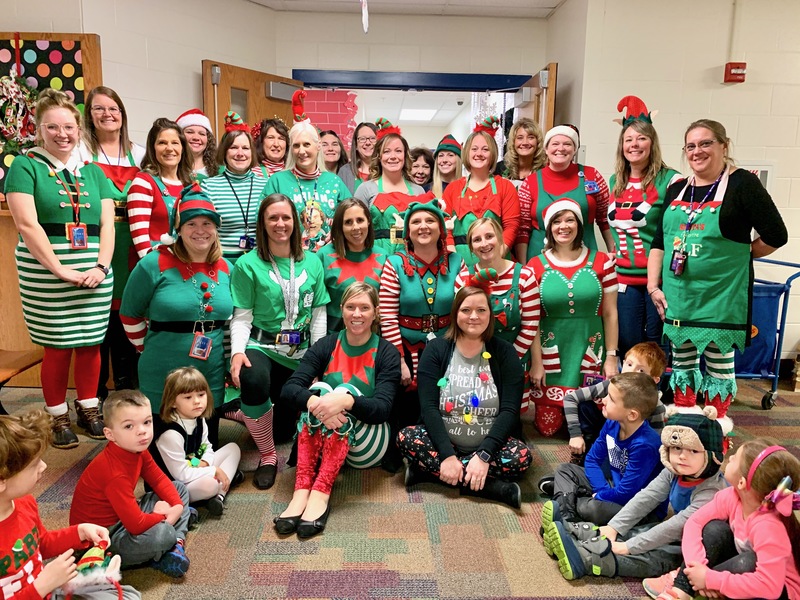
<point x="679" y="255"/>
<point x="246" y="241"/>
<point x="288" y="334"/>
<point x="201" y="343"/>
<point x="76" y="232"/>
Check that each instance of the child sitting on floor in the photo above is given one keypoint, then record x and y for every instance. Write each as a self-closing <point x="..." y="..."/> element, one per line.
<point x="629" y="546"/>
<point x="181" y="446"/>
<point x="152" y="529"/>
<point x="623" y="460"/>
<point x="741" y="544"/>
<point x="24" y="541"/>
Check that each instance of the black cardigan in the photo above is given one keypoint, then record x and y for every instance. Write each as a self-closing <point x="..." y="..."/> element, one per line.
<point x="507" y="373"/>
<point x="372" y="410"/>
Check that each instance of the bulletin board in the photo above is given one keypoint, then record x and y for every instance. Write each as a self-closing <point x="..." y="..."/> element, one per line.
<point x="70" y="62"/>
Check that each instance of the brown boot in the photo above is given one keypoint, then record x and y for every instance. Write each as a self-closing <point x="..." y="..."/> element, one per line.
<point x="63" y="436"/>
<point x="89" y="419"/>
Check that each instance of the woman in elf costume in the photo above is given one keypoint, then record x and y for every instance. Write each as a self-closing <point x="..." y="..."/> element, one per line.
<point x="578" y="331"/>
<point x="201" y="142"/>
<point x="315" y="192"/>
<point x="350" y="257"/>
<point x="236" y="191"/>
<point x="638" y="187"/>
<point x="178" y="300"/>
<point x="512" y="288"/>
<point x="481" y="194"/>
<point x="344" y="414"/>
<point x="65" y="217"/>
<point x="447" y="165"/>
<point x="707" y="274"/>
<point x="561" y="178"/>
<point x="390" y="190"/>
<point x="271" y="143"/>
<point x="279" y="297"/>
<point x="166" y="170"/>
<point x="109" y="147"/>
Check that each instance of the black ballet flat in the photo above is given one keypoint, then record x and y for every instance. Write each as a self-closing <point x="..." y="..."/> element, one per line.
<point x="308" y="529"/>
<point x="286" y="525"/>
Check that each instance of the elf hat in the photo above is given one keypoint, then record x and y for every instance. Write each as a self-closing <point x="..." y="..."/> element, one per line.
<point x="699" y="432"/>
<point x="558" y="206"/>
<point x="193" y="116"/>
<point x="563" y="130"/>
<point x="233" y="122"/>
<point x="194" y="202"/>
<point x="385" y="127"/>
<point x="489" y="125"/>
<point x="298" y="110"/>
<point x="448" y="144"/>
<point x="432" y="207"/>
<point x="635" y="110"/>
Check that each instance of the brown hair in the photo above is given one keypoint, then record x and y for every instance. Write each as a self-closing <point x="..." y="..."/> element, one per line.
<point x="182" y="254"/>
<point x="210" y="161"/>
<point x="622" y="168"/>
<point x="720" y="135"/>
<point x="639" y="392"/>
<point x="453" y="332"/>
<point x="361" y="287"/>
<point x="184" y="380"/>
<point x="267" y="124"/>
<point x="511" y="158"/>
<point x="343" y="159"/>
<point x="120" y="398"/>
<point x="427" y="155"/>
<point x="23" y="439"/>
<point x="354" y="157"/>
<point x="50" y="99"/>
<point x="337" y="226"/>
<point x="492" y="150"/>
<point x="90" y="133"/>
<point x="498" y="230"/>
<point x="149" y="162"/>
<point x="376" y="168"/>
<point x="652" y="355"/>
<point x="225" y="144"/>
<point x="550" y="241"/>
<point x="262" y="239"/>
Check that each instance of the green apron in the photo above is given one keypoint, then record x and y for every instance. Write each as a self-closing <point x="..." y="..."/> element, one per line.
<point x="461" y="223"/>
<point x="385" y="209"/>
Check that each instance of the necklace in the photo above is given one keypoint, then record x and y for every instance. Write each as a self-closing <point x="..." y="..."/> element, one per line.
<point x="119" y="154"/>
<point x="204" y="290"/>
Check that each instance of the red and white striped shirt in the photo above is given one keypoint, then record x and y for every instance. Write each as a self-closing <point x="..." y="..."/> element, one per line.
<point x="147" y="212"/>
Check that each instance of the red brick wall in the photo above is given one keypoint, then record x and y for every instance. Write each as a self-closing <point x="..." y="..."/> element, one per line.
<point x="334" y="110"/>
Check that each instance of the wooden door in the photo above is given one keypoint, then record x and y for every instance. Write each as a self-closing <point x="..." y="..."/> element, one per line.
<point x="245" y="91"/>
<point x="543" y="108"/>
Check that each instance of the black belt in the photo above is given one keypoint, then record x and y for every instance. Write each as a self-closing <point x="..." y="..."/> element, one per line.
<point x="460" y="240"/>
<point x="383" y="234"/>
<point x="185" y="326"/>
<point x="60" y="229"/>
<point x="265" y="337"/>
<point x="684" y="323"/>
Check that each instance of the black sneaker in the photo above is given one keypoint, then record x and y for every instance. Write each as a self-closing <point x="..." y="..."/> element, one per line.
<point x="216" y="505"/>
<point x="63" y="436"/>
<point x="547" y="486"/>
<point x="238" y="478"/>
<point x="194" y="517"/>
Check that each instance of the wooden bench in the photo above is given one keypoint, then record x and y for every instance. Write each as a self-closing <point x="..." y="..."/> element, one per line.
<point x="14" y="362"/>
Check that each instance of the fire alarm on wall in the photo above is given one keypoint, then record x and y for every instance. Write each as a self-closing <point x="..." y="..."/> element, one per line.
<point x="735" y="72"/>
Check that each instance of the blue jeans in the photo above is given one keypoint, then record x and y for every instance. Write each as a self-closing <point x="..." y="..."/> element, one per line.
<point x="638" y="319"/>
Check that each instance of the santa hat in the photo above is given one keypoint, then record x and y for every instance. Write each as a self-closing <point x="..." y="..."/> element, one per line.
<point x="194" y="202"/>
<point x="700" y="432"/>
<point x="635" y="110"/>
<point x="563" y="130"/>
<point x="233" y="122"/>
<point x="558" y="206"/>
<point x="385" y="127"/>
<point x="448" y="144"/>
<point x="489" y="125"/>
<point x="193" y="116"/>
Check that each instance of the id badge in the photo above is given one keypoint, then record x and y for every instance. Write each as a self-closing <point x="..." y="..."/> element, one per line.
<point x="291" y="337"/>
<point x="678" y="262"/>
<point x="396" y="235"/>
<point x="591" y="187"/>
<point x="246" y="242"/>
<point x="591" y="379"/>
<point x="76" y="234"/>
<point x="430" y="323"/>
<point x="201" y="346"/>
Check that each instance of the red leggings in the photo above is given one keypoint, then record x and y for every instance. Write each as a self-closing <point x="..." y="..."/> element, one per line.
<point x="55" y="373"/>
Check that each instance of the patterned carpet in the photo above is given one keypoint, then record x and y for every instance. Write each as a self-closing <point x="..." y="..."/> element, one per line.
<point x="381" y="541"/>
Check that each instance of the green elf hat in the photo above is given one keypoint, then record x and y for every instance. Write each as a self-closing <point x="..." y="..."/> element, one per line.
<point x="432" y="207"/>
<point x="194" y="202"/>
<point x="700" y="432"/>
<point x="635" y="110"/>
<point x="385" y="127"/>
<point x="234" y="122"/>
<point x="448" y="144"/>
<point x="489" y="125"/>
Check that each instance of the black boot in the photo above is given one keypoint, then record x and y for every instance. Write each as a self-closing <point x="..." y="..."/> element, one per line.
<point x="507" y="492"/>
<point x="414" y="476"/>
<point x="567" y="504"/>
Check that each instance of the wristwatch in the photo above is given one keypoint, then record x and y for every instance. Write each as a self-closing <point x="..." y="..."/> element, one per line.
<point x="612" y="353"/>
<point x="484" y="456"/>
<point x="103" y="268"/>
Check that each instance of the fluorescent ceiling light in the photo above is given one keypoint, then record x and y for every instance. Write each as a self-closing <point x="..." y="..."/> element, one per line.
<point x="408" y="114"/>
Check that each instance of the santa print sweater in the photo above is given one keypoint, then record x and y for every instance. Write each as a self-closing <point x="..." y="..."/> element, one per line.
<point x="20" y="566"/>
<point x="764" y="532"/>
<point x="105" y="491"/>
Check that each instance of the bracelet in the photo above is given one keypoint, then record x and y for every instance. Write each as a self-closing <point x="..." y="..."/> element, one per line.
<point x="103" y="268"/>
<point x="654" y="291"/>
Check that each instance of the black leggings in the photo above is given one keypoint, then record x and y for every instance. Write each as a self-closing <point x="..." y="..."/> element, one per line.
<point x="263" y="381"/>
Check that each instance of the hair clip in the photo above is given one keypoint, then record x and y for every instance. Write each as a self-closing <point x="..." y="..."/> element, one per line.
<point x="782" y="499"/>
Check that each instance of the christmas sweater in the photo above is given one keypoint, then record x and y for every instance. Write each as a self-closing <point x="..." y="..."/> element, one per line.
<point x="150" y="202"/>
<point x="365" y="266"/>
<point x="24" y="543"/>
<point x="315" y="199"/>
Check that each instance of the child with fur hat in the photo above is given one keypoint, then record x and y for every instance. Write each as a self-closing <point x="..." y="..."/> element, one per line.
<point x="632" y="545"/>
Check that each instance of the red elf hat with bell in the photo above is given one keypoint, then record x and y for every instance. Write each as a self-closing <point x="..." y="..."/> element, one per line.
<point x="385" y="127"/>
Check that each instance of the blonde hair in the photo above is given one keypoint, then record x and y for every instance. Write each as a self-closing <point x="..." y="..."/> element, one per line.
<point x="118" y="399"/>
<point x="360" y="287"/>
<point x="23" y="439"/>
<point x="438" y="182"/>
<point x="184" y="380"/>
<point x="50" y="99"/>
<point x="511" y="159"/>
<point x="492" y="150"/>
<point x="622" y="168"/>
<point x="498" y="230"/>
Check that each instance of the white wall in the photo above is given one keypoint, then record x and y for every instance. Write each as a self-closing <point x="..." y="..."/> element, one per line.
<point x="566" y="45"/>
<point x="423" y="135"/>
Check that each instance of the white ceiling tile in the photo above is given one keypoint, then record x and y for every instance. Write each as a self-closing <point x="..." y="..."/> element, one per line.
<point x="536" y="9"/>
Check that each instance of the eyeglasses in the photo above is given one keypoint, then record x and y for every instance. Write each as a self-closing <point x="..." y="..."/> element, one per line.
<point x="704" y="145"/>
<point x="99" y="110"/>
<point x="366" y="140"/>
<point x="54" y="129"/>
